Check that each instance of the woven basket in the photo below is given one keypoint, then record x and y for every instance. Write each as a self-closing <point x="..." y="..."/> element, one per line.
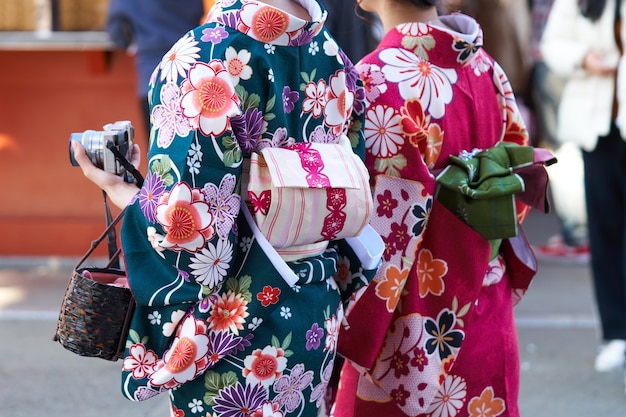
<point x="98" y="305"/>
<point x="82" y="15"/>
<point x="18" y="15"/>
<point x="95" y="315"/>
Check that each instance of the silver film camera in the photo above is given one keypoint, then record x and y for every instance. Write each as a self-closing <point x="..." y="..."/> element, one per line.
<point x="97" y="144"/>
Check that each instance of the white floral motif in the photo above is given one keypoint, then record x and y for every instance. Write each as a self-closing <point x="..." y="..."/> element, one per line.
<point x="450" y="397"/>
<point x="237" y="64"/>
<point x="179" y="59"/>
<point x="418" y="78"/>
<point x="170" y="327"/>
<point x="314" y="48"/>
<point x="211" y="264"/>
<point x="285" y="312"/>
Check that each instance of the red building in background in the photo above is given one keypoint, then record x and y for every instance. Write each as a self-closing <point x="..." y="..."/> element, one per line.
<point x="49" y="88"/>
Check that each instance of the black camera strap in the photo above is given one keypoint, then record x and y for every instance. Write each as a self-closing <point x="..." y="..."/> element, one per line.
<point x="110" y="232"/>
<point x="130" y="168"/>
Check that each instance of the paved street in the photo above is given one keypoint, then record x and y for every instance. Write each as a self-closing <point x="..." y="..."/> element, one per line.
<point x="557" y="328"/>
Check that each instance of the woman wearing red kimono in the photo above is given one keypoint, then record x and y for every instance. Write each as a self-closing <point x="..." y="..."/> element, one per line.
<point x="438" y="317"/>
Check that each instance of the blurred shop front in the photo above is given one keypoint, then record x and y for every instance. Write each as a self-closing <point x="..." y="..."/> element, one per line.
<point x="59" y="74"/>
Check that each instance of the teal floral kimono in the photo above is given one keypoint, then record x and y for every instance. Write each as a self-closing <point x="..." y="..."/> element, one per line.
<point x="223" y="323"/>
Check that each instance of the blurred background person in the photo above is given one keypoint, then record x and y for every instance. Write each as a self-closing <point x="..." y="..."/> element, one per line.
<point x="506" y="29"/>
<point x="353" y="32"/>
<point x="147" y="29"/>
<point x="583" y="41"/>
<point x="567" y="186"/>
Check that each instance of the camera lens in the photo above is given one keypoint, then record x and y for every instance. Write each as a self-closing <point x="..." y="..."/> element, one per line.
<point x="94" y="145"/>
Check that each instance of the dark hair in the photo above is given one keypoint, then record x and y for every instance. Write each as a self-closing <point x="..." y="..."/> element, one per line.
<point x="591" y="9"/>
<point x="425" y="3"/>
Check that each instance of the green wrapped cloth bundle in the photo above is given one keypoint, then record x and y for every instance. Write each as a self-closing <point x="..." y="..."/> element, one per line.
<point x="480" y="187"/>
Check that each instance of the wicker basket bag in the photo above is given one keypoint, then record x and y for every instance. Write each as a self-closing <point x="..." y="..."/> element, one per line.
<point x="97" y="307"/>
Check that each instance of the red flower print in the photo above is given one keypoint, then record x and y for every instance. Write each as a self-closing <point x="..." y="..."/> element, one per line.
<point x="414" y="123"/>
<point x="390" y="249"/>
<point x="386" y="204"/>
<point x="229" y="313"/>
<point x="420" y="360"/>
<point x="186" y="217"/>
<point x="399" y="236"/>
<point x="269" y="23"/>
<point x="400" y="395"/>
<point x="400" y="364"/>
<point x="209" y="99"/>
<point x="268" y="296"/>
<point x="515" y="132"/>
<point x="315" y="100"/>
<point x="140" y="361"/>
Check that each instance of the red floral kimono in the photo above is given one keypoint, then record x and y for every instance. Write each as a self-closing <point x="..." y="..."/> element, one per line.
<point x="434" y="333"/>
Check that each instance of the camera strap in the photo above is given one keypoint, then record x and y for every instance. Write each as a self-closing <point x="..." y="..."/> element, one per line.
<point x="111" y="234"/>
<point x="122" y="160"/>
<point x="110" y="231"/>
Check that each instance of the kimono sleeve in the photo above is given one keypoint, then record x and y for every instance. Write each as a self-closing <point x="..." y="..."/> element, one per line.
<point x="179" y="235"/>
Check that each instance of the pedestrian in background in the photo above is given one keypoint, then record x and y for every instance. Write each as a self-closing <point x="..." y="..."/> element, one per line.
<point x="506" y="26"/>
<point x="227" y="322"/>
<point x="583" y="41"/>
<point x="434" y="333"/>
<point x="354" y="33"/>
<point x="147" y="29"/>
<point x="567" y="185"/>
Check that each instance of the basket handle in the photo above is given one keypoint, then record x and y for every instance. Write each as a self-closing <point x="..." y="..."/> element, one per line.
<point x="94" y="244"/>
<point x="114" y="251"/>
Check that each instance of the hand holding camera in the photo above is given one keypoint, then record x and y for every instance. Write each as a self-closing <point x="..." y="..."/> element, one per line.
<point x="105" y="158"/>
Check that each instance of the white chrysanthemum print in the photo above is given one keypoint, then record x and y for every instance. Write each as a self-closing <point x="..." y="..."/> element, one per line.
<point x="418" y="78"/>
<point x="177" y="61"/>
<point x="383" y="134"/>
<point x="413" y="28"/>
<point x="450" y="398"/>
<point x="210" y="265"/>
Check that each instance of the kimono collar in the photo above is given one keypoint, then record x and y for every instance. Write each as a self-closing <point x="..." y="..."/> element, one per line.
<point x="461" y="32"/>
<point x="268" y="24"/>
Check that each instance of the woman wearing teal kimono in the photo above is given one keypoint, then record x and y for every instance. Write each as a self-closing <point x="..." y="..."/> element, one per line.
<point x="224" y="323"/>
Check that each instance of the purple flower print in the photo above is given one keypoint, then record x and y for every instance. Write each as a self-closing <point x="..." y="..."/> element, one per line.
<point x="149" y="196"/>
<point x="228" y="18"/>
<point x="289" y="388"/>
<point x="233" y="400"/>
<point x="359" y="100"/>
<point x="221" y="344"/>
<point x="224" y="202"/>
<point x="319" y="135"/>
<point x="352" y="75"/>
<point x="247" y="129"/>
<point x="303" y="38"/>
<point x="289" y="99"/>
<point x="314" y="337"/>
<point x="168" y="117"/>
<point x="214" y="35"/>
